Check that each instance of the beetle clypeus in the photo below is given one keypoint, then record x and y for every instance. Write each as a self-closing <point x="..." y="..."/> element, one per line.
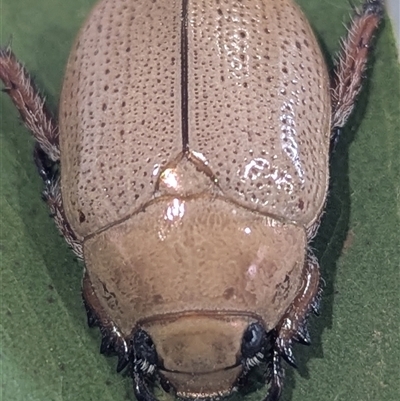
<point x="196" y="247"/>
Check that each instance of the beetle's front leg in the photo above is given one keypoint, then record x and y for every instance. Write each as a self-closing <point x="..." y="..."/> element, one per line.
<point x="350" y="65"/>
<point x="293" y="327"/>
<point x="112" y="339"/>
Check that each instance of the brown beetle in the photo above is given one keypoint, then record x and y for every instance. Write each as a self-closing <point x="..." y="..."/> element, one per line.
<point x="194" y="142"/>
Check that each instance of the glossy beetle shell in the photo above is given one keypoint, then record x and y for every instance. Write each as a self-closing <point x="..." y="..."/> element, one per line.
<point x="194" y="158"/>
<point x="258" y="107"/>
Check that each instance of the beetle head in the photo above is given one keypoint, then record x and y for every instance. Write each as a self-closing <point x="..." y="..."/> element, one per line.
<point x="198" y="355"/>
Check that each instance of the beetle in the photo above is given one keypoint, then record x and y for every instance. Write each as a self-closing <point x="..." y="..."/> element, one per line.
<point x="198" y="266"/>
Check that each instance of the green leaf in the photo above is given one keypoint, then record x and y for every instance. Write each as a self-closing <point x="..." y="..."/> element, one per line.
<point x="48" y="353"/>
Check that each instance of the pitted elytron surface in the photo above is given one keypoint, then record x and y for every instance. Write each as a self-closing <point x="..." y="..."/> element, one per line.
<point x="257" y="108"/>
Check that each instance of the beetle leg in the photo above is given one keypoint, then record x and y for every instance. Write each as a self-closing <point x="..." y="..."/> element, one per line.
<point x="351" y="61"/>
<point x="37" y="118"/>
<point x="293" y="326"/>
<point x="112" y="339"/>
<point x="30" y="104"/>
<point x="52" y="196"/>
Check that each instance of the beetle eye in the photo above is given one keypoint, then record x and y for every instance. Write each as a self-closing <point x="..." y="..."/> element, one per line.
<point x="253" y="340"/>
<point x="145" y="353"/>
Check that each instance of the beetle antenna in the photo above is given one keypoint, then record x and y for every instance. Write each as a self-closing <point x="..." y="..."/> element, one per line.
<point x="142" y="391"/>
<point x="276" y="373"/>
